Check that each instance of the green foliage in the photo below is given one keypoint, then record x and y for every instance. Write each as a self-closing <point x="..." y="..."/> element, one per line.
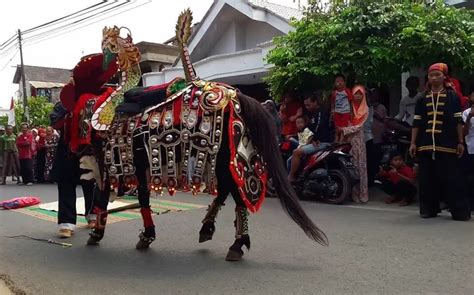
<point x="375" y="40"/>
<point x="3" y="120"/>
<point x="38" y="108"/>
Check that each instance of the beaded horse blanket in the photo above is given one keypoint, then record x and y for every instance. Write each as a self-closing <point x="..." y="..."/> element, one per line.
<point x="182" y="136"/>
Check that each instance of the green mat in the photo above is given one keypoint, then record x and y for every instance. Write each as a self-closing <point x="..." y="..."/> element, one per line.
<point x="158" y="207"/>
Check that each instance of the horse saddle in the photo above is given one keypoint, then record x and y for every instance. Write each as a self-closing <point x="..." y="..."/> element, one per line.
<point x="136" y="100"/>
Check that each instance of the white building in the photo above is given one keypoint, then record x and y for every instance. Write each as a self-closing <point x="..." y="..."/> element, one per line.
<point x="231" y="42"/>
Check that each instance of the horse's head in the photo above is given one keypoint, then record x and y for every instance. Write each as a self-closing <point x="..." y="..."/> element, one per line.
<point x="120" y="49"/>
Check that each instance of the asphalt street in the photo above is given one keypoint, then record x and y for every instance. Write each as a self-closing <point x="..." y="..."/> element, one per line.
<point x="374" y="249"/>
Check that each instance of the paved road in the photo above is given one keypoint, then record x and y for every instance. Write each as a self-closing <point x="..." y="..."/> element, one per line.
<point x="374" y="249"/>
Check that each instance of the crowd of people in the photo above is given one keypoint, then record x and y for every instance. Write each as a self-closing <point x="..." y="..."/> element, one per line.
<point x="438" y="119"/>
<point x="27" y="157"/>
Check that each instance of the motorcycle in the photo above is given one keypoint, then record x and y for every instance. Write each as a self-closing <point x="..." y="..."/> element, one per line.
<point x="396" y="137"/>
<point x="328" y="175"/>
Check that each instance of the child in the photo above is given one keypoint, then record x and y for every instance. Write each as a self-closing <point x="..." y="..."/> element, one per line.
<point x="398" y="181"/>
<point x="304" y="134"/>
<point x="290" y="109"/>
<point x="341" y="109"/>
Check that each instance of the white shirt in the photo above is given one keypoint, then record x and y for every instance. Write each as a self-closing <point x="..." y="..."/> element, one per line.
<point x="303" y="137"/>
<point x="470" y="136"/>
<point x="407" y="108"/>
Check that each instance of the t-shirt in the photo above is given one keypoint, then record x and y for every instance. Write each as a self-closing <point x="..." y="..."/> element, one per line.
<point x="407" y="108"/>
<point x="470" y="136"/>
<point x="25" y="145"/>
<point x="395" y="178"/>
<point x="319" y="125"/>
<point x="341" y="103"/>
<point x="289" y="127"/>
<point x="368" y="125"/>
<point x="9" y="142"/>
<point x="304" y="136"/>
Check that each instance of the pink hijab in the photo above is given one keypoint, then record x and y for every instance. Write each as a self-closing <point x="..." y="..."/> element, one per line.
<point x="361" y="109"/>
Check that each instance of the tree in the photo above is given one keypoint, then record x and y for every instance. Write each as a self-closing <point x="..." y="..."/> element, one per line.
<point x="375" y="40"/>
<point x="39" y="109"/>
<point x="3" y="120"/>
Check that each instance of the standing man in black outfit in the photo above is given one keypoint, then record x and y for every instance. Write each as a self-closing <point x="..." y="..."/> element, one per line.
<point x="438" y="141"/>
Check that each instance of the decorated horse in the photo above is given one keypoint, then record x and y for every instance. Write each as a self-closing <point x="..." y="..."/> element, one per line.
<point x="179" y="135"/>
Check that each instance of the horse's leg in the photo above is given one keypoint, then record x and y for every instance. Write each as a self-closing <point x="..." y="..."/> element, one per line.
<point x="208" y="228"/>
<point x="101" y="200"/>
<point x="242" y="237"/>
<point x="147" y="236"/>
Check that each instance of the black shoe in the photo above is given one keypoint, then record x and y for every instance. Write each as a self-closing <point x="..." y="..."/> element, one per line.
<point x="427" y="215"/>
<point x="461" y="218"/>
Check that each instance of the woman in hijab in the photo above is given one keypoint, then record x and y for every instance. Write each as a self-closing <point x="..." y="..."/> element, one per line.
<point x="355" y="135"/>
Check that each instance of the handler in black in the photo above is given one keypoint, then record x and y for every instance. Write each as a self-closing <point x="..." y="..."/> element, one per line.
<point x="66" y="172"/>
<point x="438" y="141"/>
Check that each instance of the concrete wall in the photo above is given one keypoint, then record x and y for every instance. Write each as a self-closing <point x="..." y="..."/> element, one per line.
<point x="28" y="87"/>
<point x="258" y="32"/>
<point x="227" y="42"/>
<point x="242" y="36"/>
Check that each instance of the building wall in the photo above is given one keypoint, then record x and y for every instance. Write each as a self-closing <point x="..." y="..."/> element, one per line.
<point x="258" y="32"/>
<point x="227" y="41"/>
<point x="243" y="35"/>
<point x="28" y="88"/>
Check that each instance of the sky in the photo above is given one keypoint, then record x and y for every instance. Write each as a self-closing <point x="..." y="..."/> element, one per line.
<point x="154" y="21"/>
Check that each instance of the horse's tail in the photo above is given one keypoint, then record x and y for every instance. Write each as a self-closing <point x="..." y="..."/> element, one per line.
<point x="261" y="128"/>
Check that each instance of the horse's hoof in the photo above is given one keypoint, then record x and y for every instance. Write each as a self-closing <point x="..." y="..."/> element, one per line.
<point x="234" y="255"/>
<point x="204" y="238"/>
<point x="142" y="245"/>
<point x="95" y="235"/>
<point x="144" y="242"/>
<point x="92" y="241"/>
<point x="206" y="232"/>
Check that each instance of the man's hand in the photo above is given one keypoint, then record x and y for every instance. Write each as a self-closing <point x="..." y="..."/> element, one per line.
<point x="460" y="150"/>
<point x="412" y="150"/>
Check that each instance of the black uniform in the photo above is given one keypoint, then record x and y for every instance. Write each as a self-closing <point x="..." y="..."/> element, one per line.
<point x="440" y="178"/>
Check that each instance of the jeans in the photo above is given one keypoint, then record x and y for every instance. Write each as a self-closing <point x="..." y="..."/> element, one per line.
<point x="308" y="150"/>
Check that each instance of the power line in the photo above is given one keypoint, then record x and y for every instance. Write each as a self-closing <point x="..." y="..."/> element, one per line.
<point x="6" y="51"/>
<point x="63" y="18"/>
<point x="35" y="41"/>
<point x="9" y="39"/>
<point x="95" y="7"/>
<point x="7" y="43"/>
<point x="77" y="22"/>
<point x="8" y="62"/>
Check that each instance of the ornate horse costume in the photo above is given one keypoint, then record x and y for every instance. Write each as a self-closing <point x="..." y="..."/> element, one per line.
<point x="184" y="133"/>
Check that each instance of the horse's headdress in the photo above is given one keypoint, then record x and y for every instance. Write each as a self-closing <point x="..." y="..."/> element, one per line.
<point x="183" y="33"/>
<point x="123" y="48"/>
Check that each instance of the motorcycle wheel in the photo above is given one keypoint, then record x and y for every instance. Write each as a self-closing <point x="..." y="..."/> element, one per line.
<point x="344" y="189"/>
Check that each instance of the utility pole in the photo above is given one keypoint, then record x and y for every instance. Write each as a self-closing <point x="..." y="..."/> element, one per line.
<point x="23" y="82"/>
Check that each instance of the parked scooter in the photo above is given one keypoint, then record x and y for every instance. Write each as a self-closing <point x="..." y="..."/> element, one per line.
<point x="397" y="137"/>
<point x="328" y="175"/>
